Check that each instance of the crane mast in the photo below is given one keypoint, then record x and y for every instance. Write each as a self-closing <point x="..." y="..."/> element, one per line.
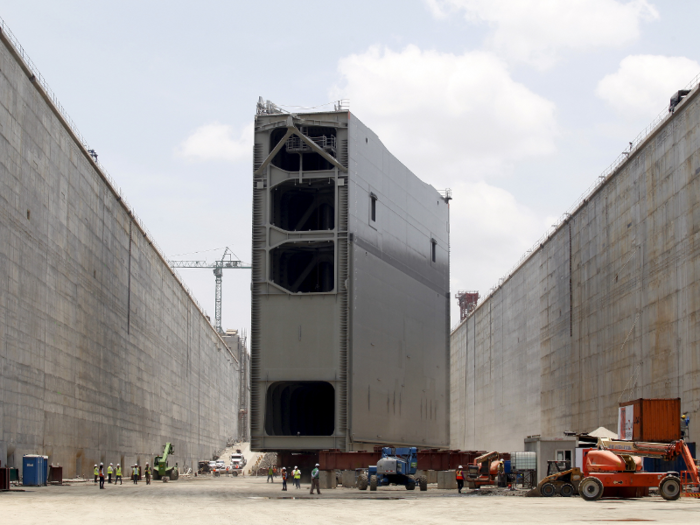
<point x="227" y="262"/>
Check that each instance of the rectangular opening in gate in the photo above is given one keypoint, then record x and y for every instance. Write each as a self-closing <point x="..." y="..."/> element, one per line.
<point x="305" y="206"/>
<point x="300" y="408"/>
<point x="298" y="155"/>
<point x="304" y="267"/>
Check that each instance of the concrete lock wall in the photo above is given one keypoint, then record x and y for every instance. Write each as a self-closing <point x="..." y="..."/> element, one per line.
<point x="103" y="354"/>
<point x="605" y="310"/>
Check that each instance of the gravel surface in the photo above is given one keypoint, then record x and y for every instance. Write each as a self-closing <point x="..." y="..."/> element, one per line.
<point x="252" y="500"/>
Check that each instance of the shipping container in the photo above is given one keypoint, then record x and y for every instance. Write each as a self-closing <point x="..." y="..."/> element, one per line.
<point x="652" y="420"/>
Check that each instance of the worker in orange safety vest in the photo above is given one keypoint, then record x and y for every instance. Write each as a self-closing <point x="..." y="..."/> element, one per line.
<point x="459" y="475"/>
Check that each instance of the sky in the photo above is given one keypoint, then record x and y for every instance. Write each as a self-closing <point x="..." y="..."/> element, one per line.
<point x="517" y="106"/>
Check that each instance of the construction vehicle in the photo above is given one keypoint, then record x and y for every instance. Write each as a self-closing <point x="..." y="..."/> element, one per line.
<point x="203" y="467"/>
<point x="397" y="466"/>
<point x="160" y="465"/>
<point x="561" y="479"/>
<point x="483" y="471"/>
<point x="615" y="469"/>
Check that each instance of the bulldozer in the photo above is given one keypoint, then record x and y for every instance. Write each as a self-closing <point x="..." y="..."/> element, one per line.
<point x="160" y="465"/>
<point x="561" y="479"/>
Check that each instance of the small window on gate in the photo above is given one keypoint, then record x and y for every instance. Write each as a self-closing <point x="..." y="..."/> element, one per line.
<point x="433" y="250"/>
<point x="373" y="207"/>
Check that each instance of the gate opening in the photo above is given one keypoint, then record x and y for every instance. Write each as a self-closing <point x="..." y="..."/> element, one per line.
<point x="296" y="154"/>
<point x="304" y="267"/>
<point x="303" y="207"/>
<point x="300" y="408"/>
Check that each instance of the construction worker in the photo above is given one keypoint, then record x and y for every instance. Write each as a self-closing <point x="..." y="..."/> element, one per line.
<point x="119" y="475"/>
<point x="315" y="480"/>
<point x="501" y="474"/>
<point x="685" y="421"/>
<point x="459" y="476"/>
<point x="135" y="473"/>
<point x="284" y="478"/>
<point x="270" y="475"/>
<point x="147" y="471"/>
<point x="297" y="477"/>
<point x="110" y="471"/>
<point x="96" y="472"/>
<point x="102" y="476"/>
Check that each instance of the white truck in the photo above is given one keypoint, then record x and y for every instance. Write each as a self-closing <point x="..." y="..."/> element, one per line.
<point x="237" y="462"/>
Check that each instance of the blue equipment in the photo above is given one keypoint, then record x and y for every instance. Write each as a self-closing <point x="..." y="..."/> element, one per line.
<point x="397" y="466"/>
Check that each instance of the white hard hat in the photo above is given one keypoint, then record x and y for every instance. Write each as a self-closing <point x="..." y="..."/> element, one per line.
<point x="95" y="464"/>
<point x="317" y="464"/>
<point x="295" y="466"/>
<point x="460" y="466"/>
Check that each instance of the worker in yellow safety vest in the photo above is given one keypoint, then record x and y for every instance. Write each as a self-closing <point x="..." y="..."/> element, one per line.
<point x="110" y="471"/>
<point x="119" y="475"/>
<point x="147" y="471"/>
<point x="297" y="477"/>
<point x="96" y="472"/>
<point x="459" y="476"/>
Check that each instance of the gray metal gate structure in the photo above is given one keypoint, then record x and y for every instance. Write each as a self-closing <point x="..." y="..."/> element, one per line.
<point x="350" y="290"/>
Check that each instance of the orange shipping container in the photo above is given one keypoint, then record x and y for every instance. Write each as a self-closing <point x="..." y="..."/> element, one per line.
<point x="655" y="420"/>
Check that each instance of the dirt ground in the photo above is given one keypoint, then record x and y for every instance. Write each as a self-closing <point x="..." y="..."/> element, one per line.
<point x="252" y="500"/>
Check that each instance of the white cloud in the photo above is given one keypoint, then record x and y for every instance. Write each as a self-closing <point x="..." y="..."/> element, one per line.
<point x="489" y="232"/>
<point x="447" y="117"/>
<point x="643" y="84"/>
<point x="217" y="142"/>
<point x="536" y="31"/>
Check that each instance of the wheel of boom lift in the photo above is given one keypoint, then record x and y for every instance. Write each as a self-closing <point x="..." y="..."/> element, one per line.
<point x="567" y="490"/>
<point x="670" y="488"/>
<point x="591" y="489"/>
<point x="548" y="490"/>
<point x="165" y="479"/>
<point x="362" y="482"/>
<point x="423" y="482"/>
<point x="174" y="474"/>
<point x="411" y="483"/>
<point x="373" y="483"/>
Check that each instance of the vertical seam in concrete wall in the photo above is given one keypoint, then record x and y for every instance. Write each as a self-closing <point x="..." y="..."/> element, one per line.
<point x="128" y="297"/>
<point x="474" y="375"/>
<point x="189" y="334"/>
<point x="571" y="290"/>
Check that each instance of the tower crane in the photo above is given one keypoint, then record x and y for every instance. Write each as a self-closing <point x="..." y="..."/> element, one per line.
<point x="227" y="262"/>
